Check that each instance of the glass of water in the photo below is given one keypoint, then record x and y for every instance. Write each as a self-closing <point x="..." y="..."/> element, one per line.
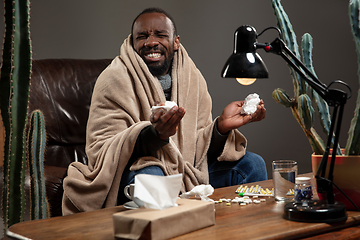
<point x="284" y="174"/>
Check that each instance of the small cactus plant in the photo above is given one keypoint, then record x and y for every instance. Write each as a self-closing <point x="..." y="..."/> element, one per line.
<point x="301" y="104"/>
<point x="36" y="144"/>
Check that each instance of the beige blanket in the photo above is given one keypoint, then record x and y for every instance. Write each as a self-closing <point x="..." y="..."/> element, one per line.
<point x="121" y="107"/>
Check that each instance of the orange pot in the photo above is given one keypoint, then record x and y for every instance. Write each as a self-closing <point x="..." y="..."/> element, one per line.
<point x="346" y="177"/>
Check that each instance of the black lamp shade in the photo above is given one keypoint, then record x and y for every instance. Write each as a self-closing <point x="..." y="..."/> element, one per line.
<point x="245" y="62"/>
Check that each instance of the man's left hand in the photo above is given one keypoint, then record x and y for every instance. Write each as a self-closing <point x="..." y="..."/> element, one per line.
<point x="231" y="117"/>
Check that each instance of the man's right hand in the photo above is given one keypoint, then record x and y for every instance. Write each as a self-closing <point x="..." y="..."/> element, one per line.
<point x="166" y="123"/>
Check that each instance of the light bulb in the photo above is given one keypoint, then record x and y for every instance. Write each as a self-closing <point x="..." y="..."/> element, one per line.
<point x="246" y="81"/>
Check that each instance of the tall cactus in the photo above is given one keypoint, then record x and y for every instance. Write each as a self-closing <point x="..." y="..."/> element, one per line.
<point x="288" y="35"/>
<point x="14" y="95"/>
<point x="321" y="105"/>
<point x="36" y="149"/>
<point x="353" y="143"/>
<point x="301" y="104"/>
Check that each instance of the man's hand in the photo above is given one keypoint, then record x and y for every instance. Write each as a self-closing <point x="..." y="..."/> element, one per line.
<point x="232" y="119"/>
<point x="166" y="123"/>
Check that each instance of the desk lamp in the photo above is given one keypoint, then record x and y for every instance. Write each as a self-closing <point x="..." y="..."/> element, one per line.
<point x="245" y="63"/>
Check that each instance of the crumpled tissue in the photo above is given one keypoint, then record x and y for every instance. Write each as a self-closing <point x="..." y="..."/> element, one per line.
<point x="203" y="191"/>
<point x="157" y="192"/>
<point x="250" y="104"/>
<point x="168" y="105"/>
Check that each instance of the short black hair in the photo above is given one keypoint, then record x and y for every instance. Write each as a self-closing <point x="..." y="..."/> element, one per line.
<point x="155" y="10"/>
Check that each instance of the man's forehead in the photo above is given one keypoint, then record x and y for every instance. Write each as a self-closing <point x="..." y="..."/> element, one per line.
<point x="153" y="21"/>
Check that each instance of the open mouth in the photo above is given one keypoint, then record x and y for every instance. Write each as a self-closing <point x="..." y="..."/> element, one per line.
<point x="153" y="55"/>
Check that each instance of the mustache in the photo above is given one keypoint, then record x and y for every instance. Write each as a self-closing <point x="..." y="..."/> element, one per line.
<point x="149" y="49"/>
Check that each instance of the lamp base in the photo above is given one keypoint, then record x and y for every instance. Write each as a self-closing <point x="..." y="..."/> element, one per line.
<point x="315" y="211"/>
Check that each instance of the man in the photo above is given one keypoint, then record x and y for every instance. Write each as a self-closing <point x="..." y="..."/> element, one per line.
<point x="125" y="138"/>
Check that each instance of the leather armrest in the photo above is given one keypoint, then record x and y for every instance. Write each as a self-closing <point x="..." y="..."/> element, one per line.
<point x="54" y="177"/>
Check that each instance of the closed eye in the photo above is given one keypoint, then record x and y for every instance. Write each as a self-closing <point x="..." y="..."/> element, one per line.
<point x="139" y="37"/>
<point x="162" y="34"/>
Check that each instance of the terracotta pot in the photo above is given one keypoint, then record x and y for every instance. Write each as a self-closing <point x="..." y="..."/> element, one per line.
<point x="346" y="177"/>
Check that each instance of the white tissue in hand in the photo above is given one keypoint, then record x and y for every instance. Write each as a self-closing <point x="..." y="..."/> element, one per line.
<point x="168" y="105"/>
<point x="203" y="191"/>
<point x="157" y="192"/>
<point x="250" y="104"/>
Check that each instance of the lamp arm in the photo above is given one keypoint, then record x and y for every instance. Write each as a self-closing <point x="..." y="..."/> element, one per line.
<point x="334" y="97"/>
<point x="279" y="47"/>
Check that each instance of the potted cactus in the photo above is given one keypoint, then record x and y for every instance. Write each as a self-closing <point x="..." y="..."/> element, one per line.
<point x="302" y="108"/>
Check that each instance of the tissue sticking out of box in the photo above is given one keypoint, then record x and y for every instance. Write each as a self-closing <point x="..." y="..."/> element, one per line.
<point x="203" y="191"/>
<point x="157" y="192"/>
<point x="168" y="105"/>
<point x="250" y="104"/>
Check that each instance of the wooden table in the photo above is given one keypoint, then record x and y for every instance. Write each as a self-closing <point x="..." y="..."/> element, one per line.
<point x="254" y="221"/>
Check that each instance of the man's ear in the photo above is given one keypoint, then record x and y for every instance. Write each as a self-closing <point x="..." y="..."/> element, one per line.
<point x="131" y="40"/>
<point x="176" y="42"/>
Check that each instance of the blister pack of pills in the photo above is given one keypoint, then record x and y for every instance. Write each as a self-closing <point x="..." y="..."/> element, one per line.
<point x="254" y="191"/>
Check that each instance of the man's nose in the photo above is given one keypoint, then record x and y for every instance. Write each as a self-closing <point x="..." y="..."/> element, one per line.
<point x="151" y="41"/>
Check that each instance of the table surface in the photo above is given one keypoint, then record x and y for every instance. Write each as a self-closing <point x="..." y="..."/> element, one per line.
<point x="253" y="221"/>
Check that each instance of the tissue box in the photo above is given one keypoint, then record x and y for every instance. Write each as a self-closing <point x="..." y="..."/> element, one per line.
<point x="154" y="224"/>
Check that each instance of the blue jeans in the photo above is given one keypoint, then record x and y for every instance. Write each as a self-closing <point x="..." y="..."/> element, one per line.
<point x="250" y="168"/>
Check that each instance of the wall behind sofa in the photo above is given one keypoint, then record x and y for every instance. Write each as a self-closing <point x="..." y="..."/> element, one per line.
<point x="96" y="29"/>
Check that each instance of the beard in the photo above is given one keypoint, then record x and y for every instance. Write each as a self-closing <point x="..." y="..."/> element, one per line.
<point x="160" y="68"/>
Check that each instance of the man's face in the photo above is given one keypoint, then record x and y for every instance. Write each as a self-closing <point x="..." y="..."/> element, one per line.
<point x="154" y="41"/>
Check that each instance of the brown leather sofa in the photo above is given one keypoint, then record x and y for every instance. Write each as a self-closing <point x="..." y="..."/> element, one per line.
<point x="62" y="89"/>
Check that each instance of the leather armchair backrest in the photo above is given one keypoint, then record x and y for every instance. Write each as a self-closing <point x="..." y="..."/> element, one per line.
<point x="62" y="89"/>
